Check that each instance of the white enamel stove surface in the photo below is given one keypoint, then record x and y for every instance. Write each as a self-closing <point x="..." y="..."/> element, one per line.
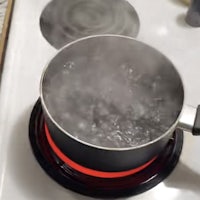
<point x="21" y="177"/>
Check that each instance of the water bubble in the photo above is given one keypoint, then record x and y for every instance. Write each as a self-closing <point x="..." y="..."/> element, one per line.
<point x="137" y="78"/>
<point x="65" y="71"/>
<point x="94" y="126"/>
<point x="69" y="65"/>
<point x="154" y="86"/>
<point x="82" y="125"/>
<point x="130" y="71"/>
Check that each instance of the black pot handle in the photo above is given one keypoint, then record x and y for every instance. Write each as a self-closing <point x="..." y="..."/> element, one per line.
<point x="190" y="119"/>
<point x="196" y="127"/>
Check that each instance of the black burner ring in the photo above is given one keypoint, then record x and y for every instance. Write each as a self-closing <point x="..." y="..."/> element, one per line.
<point x="100" y="187"/>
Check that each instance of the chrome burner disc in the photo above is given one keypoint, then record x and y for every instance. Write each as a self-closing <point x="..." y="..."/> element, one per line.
<point x="66" y="20"/>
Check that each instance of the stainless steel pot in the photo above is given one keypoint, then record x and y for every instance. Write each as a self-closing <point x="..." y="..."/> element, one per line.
<point x="112" y="103"/>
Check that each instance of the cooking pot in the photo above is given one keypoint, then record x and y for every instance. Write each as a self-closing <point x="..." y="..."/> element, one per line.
<point x="111" y="104"/>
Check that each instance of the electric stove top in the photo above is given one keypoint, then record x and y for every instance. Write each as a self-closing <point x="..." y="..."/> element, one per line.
<point x="120" y="184"/>
<point x="21" y="175"/>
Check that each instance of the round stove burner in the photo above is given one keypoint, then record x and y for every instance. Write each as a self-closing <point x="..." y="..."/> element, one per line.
<point x="66" y="20"/>
<point x="79" y="182"/>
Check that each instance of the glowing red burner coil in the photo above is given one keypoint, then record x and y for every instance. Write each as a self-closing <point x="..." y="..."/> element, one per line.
<point x="88" y="171"/>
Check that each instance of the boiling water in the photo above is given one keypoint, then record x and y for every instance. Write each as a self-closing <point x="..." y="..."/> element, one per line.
<point x="110" y="106"/>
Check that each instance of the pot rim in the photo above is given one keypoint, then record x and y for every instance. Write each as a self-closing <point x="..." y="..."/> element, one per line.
<point x="170" y="130"/>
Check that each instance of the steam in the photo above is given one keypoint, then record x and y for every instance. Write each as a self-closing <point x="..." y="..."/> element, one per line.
<point x="113" y="92"/>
